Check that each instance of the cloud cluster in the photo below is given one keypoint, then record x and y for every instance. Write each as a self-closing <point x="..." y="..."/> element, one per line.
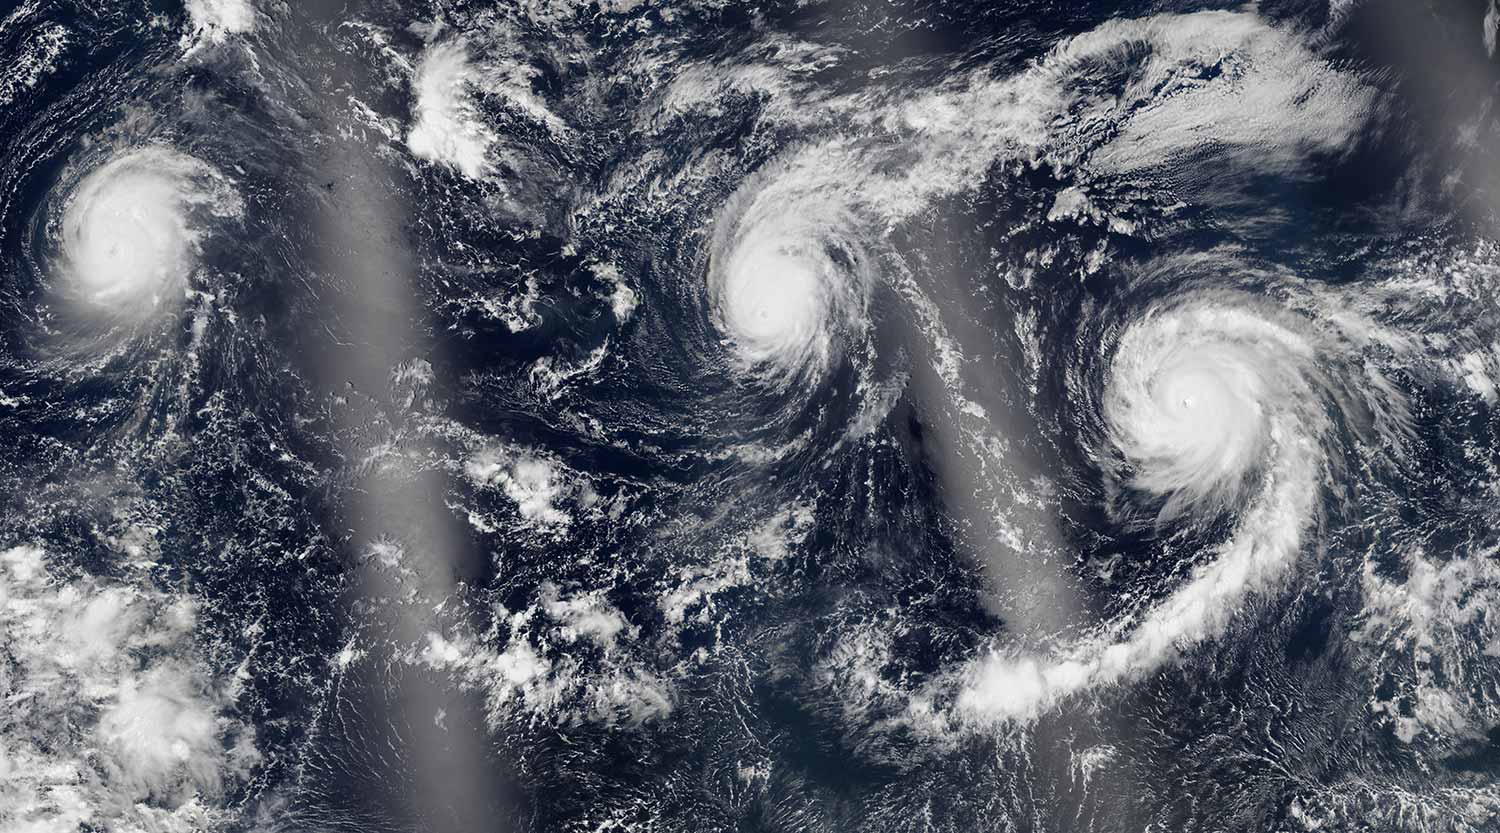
<point x="112" y="721"/>
<point x="565" y="659"/>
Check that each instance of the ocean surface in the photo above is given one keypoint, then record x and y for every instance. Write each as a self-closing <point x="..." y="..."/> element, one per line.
<point x="810" y="416"/>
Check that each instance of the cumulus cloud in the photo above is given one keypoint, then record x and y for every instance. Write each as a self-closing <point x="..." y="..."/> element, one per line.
<point x="585" y="616"/>
<point x="565" y="659"/>
<point x="38" y="58"/>
<point x="461" y="84"/>
<point x="112" y="722"/>
<point x="448" y="127"/>
<point x="163" y="734"/>
<point x="533" y="482"/>
<point x="215" y="21"/>
<point x="693" y="596"/>
<point x="1436" y="638"/>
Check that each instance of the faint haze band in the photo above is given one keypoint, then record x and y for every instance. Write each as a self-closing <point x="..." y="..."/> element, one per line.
<point x="621" y="415"/>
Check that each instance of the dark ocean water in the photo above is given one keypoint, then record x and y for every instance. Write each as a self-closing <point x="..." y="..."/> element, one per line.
<point x="816" y="417"/>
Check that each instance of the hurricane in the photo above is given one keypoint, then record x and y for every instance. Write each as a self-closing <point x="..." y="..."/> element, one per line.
<point x="126" y="232"/>
<point x="688" y="416"/>
<point x="782" y="288"/>
<point x="1212" y="406"/>
<point x="1198" y="398"/>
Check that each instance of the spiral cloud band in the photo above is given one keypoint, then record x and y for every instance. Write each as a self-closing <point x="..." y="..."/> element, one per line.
<point x="687" y="416"/>
<point x="1199" y="398"/>
<point x="1213" y="405"/>
<point x="787" y="283"/>
<point x="130" y="233"/>
<point x="1202" y="399"/>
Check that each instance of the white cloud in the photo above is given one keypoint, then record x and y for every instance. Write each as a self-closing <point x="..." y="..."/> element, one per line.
<point x="214" y="21"/>
<point x="112" y="720"/>
<point x="1212" y="87"/>
<point x="452" y="77"/>
<point x="533" y="482"/>
<point x="448" y="127"/>
<point x="1474" y="369"/>
<point x="1197" y="434"/>
<point x="693" y="597"/>
<point x="1214" y="84"/>
<point x="585" y="616"/>
<point x="36" y="60"/>
<point x="622" y="300"/>
<point x="1445" y="615"/>
<point x="697" y="586"/>
<point x="564" y="660"/>
<point x="163" y="735"/>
